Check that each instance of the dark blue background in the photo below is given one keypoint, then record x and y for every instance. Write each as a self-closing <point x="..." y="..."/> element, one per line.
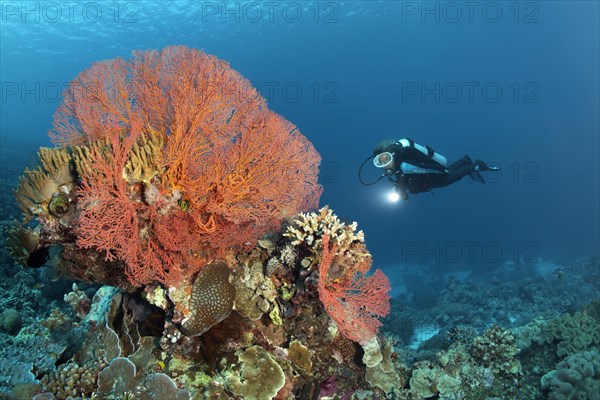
<point x="353" y="62"/>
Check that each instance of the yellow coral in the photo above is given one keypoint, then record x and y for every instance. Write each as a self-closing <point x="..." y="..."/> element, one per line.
<point x="260" y="377"/>
<point x="38" y="186"/>
<point x="145" y="158"/>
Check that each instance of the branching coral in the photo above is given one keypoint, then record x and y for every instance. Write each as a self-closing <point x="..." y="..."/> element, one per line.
<point x="308" y="228"/>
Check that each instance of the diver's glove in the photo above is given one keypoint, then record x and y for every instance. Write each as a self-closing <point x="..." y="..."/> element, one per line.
<point x="481" y="166"/>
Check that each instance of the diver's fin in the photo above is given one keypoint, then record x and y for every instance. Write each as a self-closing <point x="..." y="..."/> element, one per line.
<point x="482" y="166"/>
<point x="476" y="176"/>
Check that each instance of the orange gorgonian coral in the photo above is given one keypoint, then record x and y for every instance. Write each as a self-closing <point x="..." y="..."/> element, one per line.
<point x="229" y="170"/>
<point x="355" y="305"/>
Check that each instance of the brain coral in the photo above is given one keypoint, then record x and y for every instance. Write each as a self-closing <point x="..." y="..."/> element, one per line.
<point x="10" y="321"/>
<point x="212" y="299"/>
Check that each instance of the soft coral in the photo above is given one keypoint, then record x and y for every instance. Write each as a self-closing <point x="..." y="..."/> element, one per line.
<point x="355" y="305"/>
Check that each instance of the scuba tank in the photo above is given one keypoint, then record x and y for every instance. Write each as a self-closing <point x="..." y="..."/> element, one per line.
<point x="425" y="150"/>
<point x="407" y="168"/>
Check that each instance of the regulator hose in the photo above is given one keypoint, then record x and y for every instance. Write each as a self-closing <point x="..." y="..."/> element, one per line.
<point x="360" y="171"/>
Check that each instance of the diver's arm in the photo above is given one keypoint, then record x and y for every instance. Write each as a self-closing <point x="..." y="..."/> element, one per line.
<point x="396" y="179"/>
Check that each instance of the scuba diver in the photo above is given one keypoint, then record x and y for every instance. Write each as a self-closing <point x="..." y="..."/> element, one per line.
<point x="413" y="168"/>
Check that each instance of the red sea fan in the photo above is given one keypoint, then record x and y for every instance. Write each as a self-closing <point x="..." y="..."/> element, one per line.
<point x="228" y="165"/>
<point x="355" y="306"/>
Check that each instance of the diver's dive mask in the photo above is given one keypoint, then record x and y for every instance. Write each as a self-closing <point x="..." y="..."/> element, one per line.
<point x="384" y="160"/>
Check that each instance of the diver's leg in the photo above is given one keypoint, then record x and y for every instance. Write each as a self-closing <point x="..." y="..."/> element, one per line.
<point x="456" y="172"/>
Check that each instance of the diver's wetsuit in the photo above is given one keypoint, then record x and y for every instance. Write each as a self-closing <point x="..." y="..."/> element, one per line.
<point x="418" y="183"/>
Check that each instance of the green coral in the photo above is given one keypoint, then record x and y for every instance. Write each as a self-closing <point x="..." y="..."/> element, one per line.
<point x="275" y="315"/>
<point x="422" y="382"/>
<point x="287" y="291"/>
<point x="573" y="333"/>
<point x="156" y="295"/>
<point x="576" y="377"/>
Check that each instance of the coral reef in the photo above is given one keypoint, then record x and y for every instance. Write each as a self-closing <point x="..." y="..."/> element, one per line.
<point x="182" y="207"/>
<point x="228" y="332"/>
<point x="186" y="207"/>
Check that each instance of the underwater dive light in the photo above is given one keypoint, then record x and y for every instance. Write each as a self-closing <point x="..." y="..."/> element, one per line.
<point x="393" y="196"/>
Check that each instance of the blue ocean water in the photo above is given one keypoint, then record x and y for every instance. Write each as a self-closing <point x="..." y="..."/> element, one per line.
<point x="515" y="84"/>
<point x="519" y="89"/>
